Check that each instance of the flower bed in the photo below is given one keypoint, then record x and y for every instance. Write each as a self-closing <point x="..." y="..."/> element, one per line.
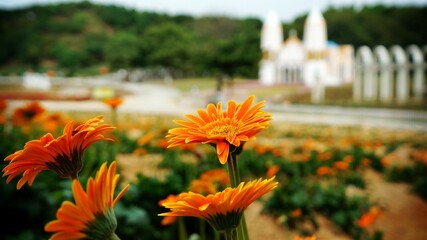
<point x="320" y="170"/>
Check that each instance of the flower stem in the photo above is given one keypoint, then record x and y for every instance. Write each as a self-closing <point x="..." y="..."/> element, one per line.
<point x="202" y="229"/>
<point x="217" y="235"/>
<point x="114" y="237"/>
<point x="230" y="234"/>
<point x="181" y="229"/>
<point x="114" y="117"/>
<point x="233" y="171"/>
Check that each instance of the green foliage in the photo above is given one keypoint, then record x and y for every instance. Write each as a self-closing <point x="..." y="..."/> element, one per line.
<point x="94" y="44"/>
<point x="415" y="175"/>
<point x="360" y="26"/>
<point x="67" y="56"/>
<point x="137" y="213"/>
<point x="122" y="50"/>
<point x="167" y="45"/>
<point x="116" y="17"/>
<point x="24" y="216"/>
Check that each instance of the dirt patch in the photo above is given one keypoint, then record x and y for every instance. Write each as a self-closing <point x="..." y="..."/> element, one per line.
<point x="405" y="213"/>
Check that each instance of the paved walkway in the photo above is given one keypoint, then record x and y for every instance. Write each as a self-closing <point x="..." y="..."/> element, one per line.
<point x="158" y="99"/>
<point x="370" y="117"/>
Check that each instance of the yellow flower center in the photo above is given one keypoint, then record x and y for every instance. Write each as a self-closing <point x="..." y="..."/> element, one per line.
<point x="221" y="131"/>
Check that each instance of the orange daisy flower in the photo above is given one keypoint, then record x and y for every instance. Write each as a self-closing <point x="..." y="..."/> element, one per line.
<point x="304" y="238"/>
<point x="168" y="220"/>
<point x="210" y="182"/>
<point x="218" y="175"/>
<point x="92" y="216"/>
<point x="272" y="170"/>
<point x="296" y="213"/>
<point x="203" y="187"/>
<point x="113" y="102"/>
<point x="62" y="155"/>
<point x="3" y="105"/>
<point x="222" y="210"/>
<point x="27" y="113"/>
<point x="369" y="217"/>
<point x="224" y="129"/>
<point x="341" y="165"/>
<point x="52" y="122"/>
<point x="324" y="170"/>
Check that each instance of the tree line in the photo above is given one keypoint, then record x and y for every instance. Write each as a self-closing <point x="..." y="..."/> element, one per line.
<point x="76" y="36"/>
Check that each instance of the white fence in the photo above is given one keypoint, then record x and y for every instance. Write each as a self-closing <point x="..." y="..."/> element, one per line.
<point x="390" y="75"/>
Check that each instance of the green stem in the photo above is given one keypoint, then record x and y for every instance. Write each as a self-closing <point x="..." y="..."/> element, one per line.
<point x="244" y="226"/>
<point x="114" y="117"/>
<point x="233" y="171"/>
<point x="230" y="234"/>
<point x="202" y="229"/>
<point x="217" y="235"/>
<point x="114" y="237"/>
<point x="181" y="229"/>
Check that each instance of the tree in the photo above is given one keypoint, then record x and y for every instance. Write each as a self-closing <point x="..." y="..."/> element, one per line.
<point x="122" y="50"/>
<point x="167" y="45"/>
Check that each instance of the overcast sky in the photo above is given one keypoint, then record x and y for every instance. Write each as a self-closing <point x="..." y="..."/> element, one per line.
<point x="286" y="10"/>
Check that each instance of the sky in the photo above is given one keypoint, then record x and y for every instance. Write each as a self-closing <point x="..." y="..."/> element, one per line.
<point x="286" y="10"/>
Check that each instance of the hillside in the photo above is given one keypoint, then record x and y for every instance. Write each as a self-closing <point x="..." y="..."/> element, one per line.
<point x="78" y="38"/>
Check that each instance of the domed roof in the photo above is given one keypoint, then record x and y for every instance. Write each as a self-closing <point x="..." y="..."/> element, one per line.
<point x="292" y="50"/>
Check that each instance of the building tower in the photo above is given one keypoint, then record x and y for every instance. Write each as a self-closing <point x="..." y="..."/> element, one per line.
<point x="315" y="44"/>
<point x="271" y="42"/>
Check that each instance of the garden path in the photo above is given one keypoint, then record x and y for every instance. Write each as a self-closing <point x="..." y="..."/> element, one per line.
<point x="405" y="214"/>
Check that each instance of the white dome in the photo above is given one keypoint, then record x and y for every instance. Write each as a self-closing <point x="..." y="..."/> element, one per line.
<point x="292" y="51"/>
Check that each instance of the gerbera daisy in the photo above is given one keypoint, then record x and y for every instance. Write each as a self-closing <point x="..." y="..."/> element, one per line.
<point x="167" y="220"/>
<point x="113" y="102"/>
<point x="305" y="238"/>
<point x="210" y="182"/>
<point x="3" y="105"/>
<point x="218" y="175"/>
<point x="369" y="217"/>
<point x="227" y="130"/>
<point x="62" y="155"/>
<point x="92" y="216"/>
<point x="24" y="115"/>
<point x="222" y="210"/>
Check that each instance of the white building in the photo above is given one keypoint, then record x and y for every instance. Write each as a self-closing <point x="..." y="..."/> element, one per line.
<point x="313" y="61"/>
